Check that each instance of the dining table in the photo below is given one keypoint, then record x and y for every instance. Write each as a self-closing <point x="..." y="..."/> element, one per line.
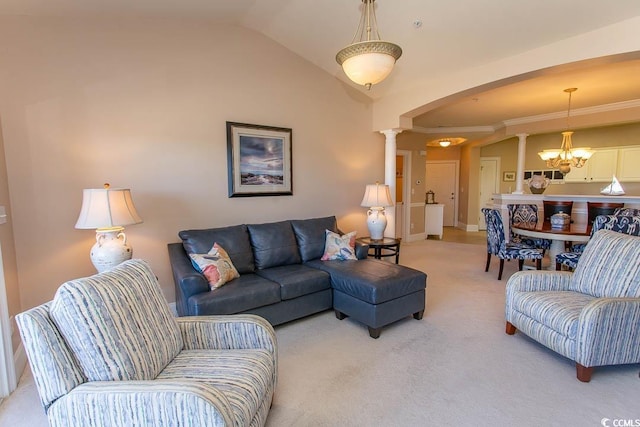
<point x="579" y="233"/>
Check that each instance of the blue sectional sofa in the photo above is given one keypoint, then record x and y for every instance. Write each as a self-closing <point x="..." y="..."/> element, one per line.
<point x="282" y="277"/>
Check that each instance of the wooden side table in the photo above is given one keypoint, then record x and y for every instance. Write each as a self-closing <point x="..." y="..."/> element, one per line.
<point x="385" y="247"/>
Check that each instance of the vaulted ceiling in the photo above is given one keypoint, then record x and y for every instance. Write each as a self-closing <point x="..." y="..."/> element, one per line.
<point x="437" y="37"/>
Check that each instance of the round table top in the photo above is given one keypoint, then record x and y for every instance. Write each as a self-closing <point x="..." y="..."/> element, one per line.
<point x="381" y="242"/>
<point x="574" y="232"/>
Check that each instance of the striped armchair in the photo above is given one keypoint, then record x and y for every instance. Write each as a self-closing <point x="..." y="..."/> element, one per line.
<point x="108" y="352"/>
<point x="590" y="316"/>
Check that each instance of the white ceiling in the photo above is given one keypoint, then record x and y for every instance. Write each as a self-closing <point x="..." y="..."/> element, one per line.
<point x="453" y="35"/>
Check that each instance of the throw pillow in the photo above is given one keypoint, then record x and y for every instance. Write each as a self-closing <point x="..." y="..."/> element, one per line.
<point x="337" y="247"/>
<point x="215" y="265"/>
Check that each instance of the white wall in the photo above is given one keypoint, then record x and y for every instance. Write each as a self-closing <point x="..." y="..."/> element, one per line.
<point x="143" y="104"/>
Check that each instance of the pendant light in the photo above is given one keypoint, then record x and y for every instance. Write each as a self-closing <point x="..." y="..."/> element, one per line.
<point x="368" y="59"/>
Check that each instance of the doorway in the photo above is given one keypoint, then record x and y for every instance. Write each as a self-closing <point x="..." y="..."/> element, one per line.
<point x="441" y="177"/>
<point x="489" y="185"/>
<point x="403" y="193"/>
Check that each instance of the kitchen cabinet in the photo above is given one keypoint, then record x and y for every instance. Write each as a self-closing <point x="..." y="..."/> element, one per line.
<point x="599" y="168"/>
<point x="629" y="165"/>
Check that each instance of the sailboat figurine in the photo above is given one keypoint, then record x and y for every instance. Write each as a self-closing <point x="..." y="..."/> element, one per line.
<point x="613" y="189"/>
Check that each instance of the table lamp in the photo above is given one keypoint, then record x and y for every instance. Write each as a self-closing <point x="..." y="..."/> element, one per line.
<point x="376" y="198"/>
<point x="108" y="210"/>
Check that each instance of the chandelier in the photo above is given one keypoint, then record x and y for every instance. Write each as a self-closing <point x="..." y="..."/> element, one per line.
<point x="368" y="59"/>
<point x="567" y="156"/>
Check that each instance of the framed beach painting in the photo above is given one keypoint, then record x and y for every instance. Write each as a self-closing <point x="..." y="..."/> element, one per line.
<point x="258" y="160"/>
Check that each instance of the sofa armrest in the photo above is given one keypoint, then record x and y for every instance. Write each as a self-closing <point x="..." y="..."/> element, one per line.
<point x="186" y="279"/>
<point x="362" y="250"/>
<point x="129" y="403"/>
<point x="608" y="332"/>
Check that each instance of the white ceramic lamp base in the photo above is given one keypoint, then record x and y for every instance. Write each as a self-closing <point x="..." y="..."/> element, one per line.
<point x="110" y="249"/>
<point x="377" y="222"/>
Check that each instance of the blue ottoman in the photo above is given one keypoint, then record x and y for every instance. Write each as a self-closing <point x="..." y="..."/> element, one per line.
<point x="375" y="292"/>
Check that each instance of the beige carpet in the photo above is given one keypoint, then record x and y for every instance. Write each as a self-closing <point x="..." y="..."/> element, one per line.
<point x="456" y="366"/>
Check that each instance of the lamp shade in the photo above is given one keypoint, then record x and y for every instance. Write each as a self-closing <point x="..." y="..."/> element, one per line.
<point x="376" y="196"/>
<point x="107" y="208"/>
<point x="368" y="68"/>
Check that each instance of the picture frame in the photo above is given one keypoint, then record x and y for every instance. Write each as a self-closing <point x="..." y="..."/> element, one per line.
<point x="509" y="176"/>
<point x="259" y="160"/>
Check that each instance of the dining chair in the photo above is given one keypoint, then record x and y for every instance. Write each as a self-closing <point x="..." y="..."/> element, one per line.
<point x="621" y="211"/>
<point x="601" y="208"/>
<point x="618" y="223"/>
<point x="525" y="214"/>
<point x="498" y="246"/>
<point x="627" y="212"/>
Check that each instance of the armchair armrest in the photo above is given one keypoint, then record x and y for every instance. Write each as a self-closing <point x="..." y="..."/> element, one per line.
<point x="535" y="280"/>
<point x="238" y="331"/>
<point x="608" y="332"/>
<point x="156" y="402"/>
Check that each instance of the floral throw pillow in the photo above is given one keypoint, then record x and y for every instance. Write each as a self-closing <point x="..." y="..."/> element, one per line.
<point x="215" y="265"/>
<point x="337" y="247"/>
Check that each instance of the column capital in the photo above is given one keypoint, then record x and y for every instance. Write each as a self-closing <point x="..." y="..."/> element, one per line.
<point x="390" y="133"/>
<point x="522" y="135"/>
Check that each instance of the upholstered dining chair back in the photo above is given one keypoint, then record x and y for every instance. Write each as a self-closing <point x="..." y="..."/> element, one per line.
<point x="495" y="230"/>
<point x="525" y="214"/>
<point x="627" y="212"/>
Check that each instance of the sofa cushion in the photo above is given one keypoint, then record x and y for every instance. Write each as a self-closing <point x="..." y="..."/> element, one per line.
<point x="274" y="244"/>
<point x="234" y="239"/>
<point x="215" y="265"/>
<point x="310" y="234"/>
<point x="244" y="293"/>
<point x="616" y="275"/>
<point x="297" y="280"/>
<point x="371" y="280"/>
<point x="117" y="323"/>
<point x="339" y="247"/>
<point x="244" y="376"/>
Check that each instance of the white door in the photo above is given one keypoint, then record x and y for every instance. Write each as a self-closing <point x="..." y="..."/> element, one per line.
<point x="441" y="177"/>
<point x="489" y="184"/>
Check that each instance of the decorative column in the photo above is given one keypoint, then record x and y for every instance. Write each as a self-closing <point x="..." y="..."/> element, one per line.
<point x="522" y="145"/>
<point x="390" y="177"/>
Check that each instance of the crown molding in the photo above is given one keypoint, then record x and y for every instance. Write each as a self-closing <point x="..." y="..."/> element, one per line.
<point x="454" y="130"/>
<point x="597" y="109"/>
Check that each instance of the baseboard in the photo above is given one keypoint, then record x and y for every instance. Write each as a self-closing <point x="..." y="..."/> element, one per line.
<point x="467" y="227"/>
<point x="414" y="237"/>
<point x="172" y="306"/>
<point x="19" y="361"/>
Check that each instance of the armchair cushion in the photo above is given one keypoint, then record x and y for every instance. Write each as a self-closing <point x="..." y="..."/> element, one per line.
<point x="111" y="320"/>
<point x="558" y="310"/>
<point x="245" y="377"/>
